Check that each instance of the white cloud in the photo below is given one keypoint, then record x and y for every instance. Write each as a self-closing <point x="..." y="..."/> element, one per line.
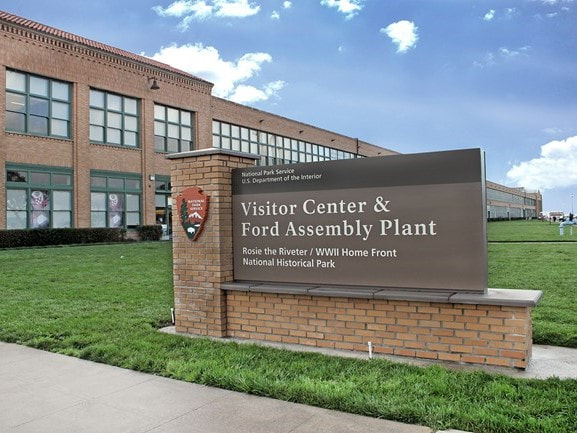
<point x="488" y="60"/>
<point x="507" y="53"/>
<point x="503" y="54"/>
<point x="244" y="94"/>
<point x="489" y="15"/>
<point x="229" y="77"/>
<point x="556" y="167"/>
<point x="403" y="33"/>
<point x="552" y="15"/>
<point x="198" y="8"/>
<point x="235" y="8"/>
<point x="190" y="10"/>
<point x="553" y="131"/>
<point x="275" y="15"/>
<point x="287" y="4"/>
<point x="349" y="8"/>
<point x="510" y="12"/>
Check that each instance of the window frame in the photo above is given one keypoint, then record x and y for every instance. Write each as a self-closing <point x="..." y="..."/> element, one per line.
<point x="166" y="192"/>
<point x="124" y="114"/>
<point x="124" y="191"/>
<point x="179" y="124"/>
<point x="50" y="99"/>
<point x="28" y="186"/>
<point x="272" y="148"/>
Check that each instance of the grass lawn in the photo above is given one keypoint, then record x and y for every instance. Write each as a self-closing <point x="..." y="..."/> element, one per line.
<point x="531" y="231"/>
<point x="105" y="303"/>
<point x="550" y="267"/>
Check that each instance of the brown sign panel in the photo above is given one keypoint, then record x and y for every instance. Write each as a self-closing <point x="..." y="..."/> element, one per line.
<point x="192" y="206"/>
<point x="401" y="221"/>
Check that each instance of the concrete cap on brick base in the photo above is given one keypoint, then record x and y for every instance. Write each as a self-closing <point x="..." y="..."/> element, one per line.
<point x="505" y="297"/>
<point x="502" y="297"/>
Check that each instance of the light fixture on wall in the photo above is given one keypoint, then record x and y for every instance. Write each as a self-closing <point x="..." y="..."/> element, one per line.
<point x="153" y="83"/>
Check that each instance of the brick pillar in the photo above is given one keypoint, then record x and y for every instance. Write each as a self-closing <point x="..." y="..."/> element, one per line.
<point x="200" y="267"/>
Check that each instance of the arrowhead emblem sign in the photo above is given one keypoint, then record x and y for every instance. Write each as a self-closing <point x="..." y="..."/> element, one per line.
<point x="192" y="205"/>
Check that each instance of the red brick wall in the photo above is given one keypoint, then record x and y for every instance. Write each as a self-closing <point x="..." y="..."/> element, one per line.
<point x="88" y="68"/>
<point x="478" y="334"/>
<point x="85" y="67"/>
<point x="200" y="267"/>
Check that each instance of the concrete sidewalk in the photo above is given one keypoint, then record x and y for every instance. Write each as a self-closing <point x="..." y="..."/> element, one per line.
<point x="46" y="392"/>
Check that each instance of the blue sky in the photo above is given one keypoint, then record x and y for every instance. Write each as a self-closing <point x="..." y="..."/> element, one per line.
<point x="410" y="75"/>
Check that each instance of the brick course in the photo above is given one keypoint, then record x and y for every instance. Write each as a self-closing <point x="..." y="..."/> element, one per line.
<point x="477" y="334"/>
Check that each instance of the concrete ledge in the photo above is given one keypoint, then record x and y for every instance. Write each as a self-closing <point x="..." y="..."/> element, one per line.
<point x="212" y="151"/>
<point x="413" y="295"/>
<point x="285" y="289"/>
<point x="347" y="292"/>
<point x="503" y="297"/>
<point x="508" y="297"/>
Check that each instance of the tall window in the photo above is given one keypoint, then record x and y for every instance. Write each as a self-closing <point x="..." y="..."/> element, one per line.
<point x="38" y="197"/>
<point x="113" y="119"/>
<point x="37" y="105"/>
<point x="163" y="203"/>
<point x="173" y="129"/>
<point x="115" y="199"/>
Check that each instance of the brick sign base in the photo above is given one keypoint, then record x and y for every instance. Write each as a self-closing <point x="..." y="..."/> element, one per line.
<point x="490" y="329"/>
<point x="477" y="334"/>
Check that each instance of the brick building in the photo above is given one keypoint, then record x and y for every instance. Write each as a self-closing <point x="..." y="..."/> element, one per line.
<point x="506" y="203"/>
<point x="85" y="129"/>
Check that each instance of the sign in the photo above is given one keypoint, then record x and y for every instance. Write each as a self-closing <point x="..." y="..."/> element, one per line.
<point x="400" y="221"/>
<point x="192" y="206"/>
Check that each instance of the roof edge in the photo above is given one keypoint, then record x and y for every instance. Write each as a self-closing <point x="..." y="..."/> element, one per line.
<point x="53" y="32"/>
<point x="257" y="110"/>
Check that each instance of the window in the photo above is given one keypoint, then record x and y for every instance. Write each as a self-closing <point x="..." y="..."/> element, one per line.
<point x="37" y="105"/>
<point x="114" y="119"/>
<point x="274" y="149"/>
<point x="163" y="204"/>
<point x="173" y="129"/>
<point x="38" y="197"/>
<point x="115" y="199"/>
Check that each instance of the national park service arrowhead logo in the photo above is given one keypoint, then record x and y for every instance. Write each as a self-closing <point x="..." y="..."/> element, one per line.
<point x="193" y="208"/>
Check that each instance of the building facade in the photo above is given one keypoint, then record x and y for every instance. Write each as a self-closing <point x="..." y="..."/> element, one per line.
<point x="85" y="128"/>
<point x="505" y="203"/>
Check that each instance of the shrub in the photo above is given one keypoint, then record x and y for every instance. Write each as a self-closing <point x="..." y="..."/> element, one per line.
<point x="149" y="233"/>
<point x="66" y="236"/>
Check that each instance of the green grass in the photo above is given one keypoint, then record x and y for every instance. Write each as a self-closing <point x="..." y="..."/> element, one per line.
<point x="550" y="267"/>
<point x="105" y="303"/>
<point x="530" y="255"/>
<point x="528" y="231"/>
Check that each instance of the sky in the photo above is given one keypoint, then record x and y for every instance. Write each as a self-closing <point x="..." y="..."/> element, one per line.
<point x="408" y="75"/>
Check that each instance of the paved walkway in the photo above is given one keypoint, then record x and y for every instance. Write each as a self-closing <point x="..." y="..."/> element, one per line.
<point x="46" y="392"/>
